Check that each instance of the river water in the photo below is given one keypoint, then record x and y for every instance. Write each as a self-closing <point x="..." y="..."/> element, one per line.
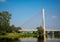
<point x="31" y="39"/>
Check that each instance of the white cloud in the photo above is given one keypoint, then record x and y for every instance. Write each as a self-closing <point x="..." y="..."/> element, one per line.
<point x="54" y="17"/>
<point x="2" y="0"/>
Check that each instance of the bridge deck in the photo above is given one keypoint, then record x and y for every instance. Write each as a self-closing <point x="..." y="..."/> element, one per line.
<point x="35" y="30"/>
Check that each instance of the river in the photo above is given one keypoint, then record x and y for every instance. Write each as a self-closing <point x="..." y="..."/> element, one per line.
<point x="31" y="39"/>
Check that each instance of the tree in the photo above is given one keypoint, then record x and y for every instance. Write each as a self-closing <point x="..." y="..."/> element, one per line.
<point x="5" y="21"/>
<point x="40" y="31"/>
<point x="14" y="29"/>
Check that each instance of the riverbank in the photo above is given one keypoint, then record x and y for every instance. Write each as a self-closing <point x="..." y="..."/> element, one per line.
<point x="17" y="35"/>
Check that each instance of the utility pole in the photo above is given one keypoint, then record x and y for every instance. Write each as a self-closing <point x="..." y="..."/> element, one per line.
<point x="43" y="22"/>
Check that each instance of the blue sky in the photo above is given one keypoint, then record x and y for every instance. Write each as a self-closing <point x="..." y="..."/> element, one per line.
<point x="28" y="13"/>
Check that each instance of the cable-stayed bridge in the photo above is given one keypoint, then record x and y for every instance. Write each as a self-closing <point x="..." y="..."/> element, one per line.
<point x="32" y="22"/>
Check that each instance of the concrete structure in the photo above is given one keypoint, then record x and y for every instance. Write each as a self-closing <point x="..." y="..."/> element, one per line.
<point x="43" y="22"/>
<point x="52" y="32"/>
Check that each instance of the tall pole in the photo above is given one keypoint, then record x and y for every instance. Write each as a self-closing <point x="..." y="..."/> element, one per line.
<point x="43" y="22"/>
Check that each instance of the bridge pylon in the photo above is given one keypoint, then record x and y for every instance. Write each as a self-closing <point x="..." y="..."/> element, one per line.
<point x="43" y="22"/>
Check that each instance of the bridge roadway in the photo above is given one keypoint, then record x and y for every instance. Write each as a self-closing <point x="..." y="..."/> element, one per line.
<point x="36" y="30"/>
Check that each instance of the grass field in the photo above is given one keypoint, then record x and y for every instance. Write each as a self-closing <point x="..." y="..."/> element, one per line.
<point x="17" y="35"/>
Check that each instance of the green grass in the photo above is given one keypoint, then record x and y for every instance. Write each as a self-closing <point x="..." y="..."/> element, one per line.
<point x="17" y="35"/>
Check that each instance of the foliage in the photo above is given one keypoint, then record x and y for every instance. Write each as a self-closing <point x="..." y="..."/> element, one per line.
<point x="5" y="27"/>
<point x="17" y="35"/>
<point x="4" y="21"/>
<point x="40" y="31"/>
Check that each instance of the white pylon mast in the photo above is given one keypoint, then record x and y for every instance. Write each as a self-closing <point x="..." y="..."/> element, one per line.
<point x="43" y="21"/>
<point x="43" y="18"/>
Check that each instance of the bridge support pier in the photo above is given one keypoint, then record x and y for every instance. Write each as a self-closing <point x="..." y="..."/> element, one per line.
<point x="52" y="34"/>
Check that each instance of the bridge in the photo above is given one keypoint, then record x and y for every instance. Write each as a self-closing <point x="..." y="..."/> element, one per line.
<point x="28" y="30"/>
<point x="24" y="25"/>
<point x="52" y="30"/>
<point x="31" y="30"/>
<point x="43" y="24"/>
